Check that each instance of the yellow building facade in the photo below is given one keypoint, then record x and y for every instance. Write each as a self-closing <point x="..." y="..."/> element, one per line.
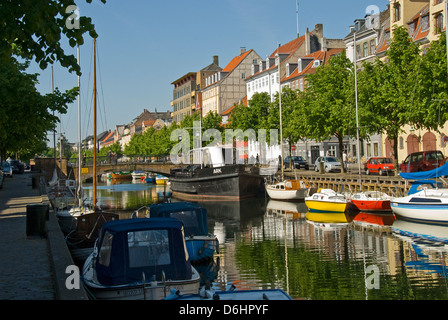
<point x="425" y="20"/>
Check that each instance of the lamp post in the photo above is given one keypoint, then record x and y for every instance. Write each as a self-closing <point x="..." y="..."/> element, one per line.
<point x="358" y="153"/>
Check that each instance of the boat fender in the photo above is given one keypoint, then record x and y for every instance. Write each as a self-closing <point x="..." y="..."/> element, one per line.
<point x="174" y="294"/>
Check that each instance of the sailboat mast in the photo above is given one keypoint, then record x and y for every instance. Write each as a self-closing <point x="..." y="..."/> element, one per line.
<point x="79" y="136"/>
<point x="280" y="112"/>
<point x="94" y="123"/>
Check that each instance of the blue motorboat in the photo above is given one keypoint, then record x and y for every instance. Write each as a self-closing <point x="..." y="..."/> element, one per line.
<point x="200" y="243"/>
<point x="142" y="258"/>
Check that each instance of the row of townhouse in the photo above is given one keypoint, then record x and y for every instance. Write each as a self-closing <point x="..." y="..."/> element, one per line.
<point x="123" y="133"/>
<point x="219" y="89"/>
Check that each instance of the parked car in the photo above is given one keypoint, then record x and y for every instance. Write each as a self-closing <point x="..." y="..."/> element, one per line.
<point x="17" y="166"/>
<point x="380" y="165"/>
<point x="330" y="164"/>
<point x="422" y="161"/>
<point x="7" y="169"/>
<point x="297" y="163"/>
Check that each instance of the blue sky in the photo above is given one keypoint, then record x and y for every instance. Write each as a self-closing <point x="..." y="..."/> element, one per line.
<point x="144" y="45"/>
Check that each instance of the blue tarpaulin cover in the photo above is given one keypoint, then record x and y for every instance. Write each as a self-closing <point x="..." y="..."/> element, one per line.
<point x="431" y="174"/>
<point x="128" y="248"/>
<point x="193" y="216"/>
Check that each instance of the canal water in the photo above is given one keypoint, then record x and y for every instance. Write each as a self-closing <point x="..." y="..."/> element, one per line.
<point x="274" y="244"/>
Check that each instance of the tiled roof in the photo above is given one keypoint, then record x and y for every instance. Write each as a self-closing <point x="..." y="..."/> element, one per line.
<point x="324" y="56"/>
<point x="290" y="47"/>
<point x="236" y="61"/>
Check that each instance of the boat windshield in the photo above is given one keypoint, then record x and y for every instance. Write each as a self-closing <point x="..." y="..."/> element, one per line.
<point x="148" y="248"/>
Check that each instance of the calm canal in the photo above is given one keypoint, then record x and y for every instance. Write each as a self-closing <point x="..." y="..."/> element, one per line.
<point x="273" y="244"/>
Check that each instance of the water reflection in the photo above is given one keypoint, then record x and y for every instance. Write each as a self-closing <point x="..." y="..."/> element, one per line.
<point x="274" y="244"/>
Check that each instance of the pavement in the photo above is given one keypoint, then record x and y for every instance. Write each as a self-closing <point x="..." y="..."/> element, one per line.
<point x="31" y="267"/>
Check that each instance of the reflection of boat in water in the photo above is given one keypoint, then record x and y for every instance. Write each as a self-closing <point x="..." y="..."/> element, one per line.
<point x="295" y="209"/>
<point x="328" y="219"/>
<point x="424" y="238"/>
<point x="140" y="259"/>
<point x="371" y="201"/>
<point x="289" y="190"/>
<point x="421" y="233"/>
<point x="327" y="201"/>
<point x="374" y="219"/>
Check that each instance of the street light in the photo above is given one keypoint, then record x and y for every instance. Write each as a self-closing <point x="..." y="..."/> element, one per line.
<point x="357" y="115"/>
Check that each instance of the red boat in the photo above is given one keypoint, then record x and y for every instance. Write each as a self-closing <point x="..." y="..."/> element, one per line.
<point x="371" y="201"/>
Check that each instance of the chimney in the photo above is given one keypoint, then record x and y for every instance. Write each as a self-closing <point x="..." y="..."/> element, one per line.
<point x="216" y="60"/>
<point x="242" y="50"/>
<point x="307" y="42"/>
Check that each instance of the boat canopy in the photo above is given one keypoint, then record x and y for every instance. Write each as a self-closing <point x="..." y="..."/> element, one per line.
<point x="133" y="247"/>
<point x="431" y="174"/>
<point x="193" y="216"/>
<point x="418" y="185"/>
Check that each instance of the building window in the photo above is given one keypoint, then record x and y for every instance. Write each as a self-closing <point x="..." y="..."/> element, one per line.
<point x="439" y="23"/>
<point x="425" y="23"/>
<point x="366" y="49"/>
<point x="397" y="12"/>
<point x="358" y="52"/>
<point x="372" y="47"/>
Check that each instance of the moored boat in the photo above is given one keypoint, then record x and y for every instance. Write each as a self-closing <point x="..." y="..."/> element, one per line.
<point x="425" y="202"/>
<point x="371" y="201"/>
<point x="200" y="243"/>
<point x="161" y="180"/>
<point x="429" y="205"/>
<point x="327" y="201"/>
<point x="122" y="175"/>
<point x="140" y="259"/>
<point x="214" y="179"/>
<point x="211" y="294"/>
<point x="289" y="190"/>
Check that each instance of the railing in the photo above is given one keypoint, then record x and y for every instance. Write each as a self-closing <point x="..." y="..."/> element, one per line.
<point x="122" y="159"/>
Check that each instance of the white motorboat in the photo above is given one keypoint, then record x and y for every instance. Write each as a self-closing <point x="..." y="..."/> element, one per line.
<point x="289" y="190"/>
<point x="427" y="205"/>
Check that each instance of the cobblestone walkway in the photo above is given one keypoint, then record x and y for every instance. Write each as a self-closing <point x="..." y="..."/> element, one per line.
<point x="25" y="269"/>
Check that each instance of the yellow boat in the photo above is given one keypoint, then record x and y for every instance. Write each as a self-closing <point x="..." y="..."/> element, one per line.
<point x="161" y="180"/>
<point x="326" y="201"/>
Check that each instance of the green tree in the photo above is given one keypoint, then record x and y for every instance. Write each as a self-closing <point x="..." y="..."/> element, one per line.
<point x="20" y="103"/>
<point x="35" y="29"/>
<point x="330" y="102"/>
<point x="388" y="91"/>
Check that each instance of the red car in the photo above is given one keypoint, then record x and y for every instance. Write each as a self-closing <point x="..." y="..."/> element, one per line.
<point x="422" y="161"/>
<point x="380" y="165"/>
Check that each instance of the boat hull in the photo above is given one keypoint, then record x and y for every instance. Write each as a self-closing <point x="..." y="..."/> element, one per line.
<point x="156" y="290"/>
<point x="372" y="205"/>
<point x="287" y="194"/>
<point x="325" y="206"/>
<point x="232" y="182"/>
<point x="424" y="212"/>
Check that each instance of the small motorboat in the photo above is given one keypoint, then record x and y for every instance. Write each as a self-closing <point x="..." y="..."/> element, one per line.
<point x="327" y="201"/>
<point x="200" y="243"/>
<point x="211" y="294"/>
<point x="289" y="190"/>
<point x="161" y="180"/>
<point x="371" y="201"/>
<point x="142" y="258"/>
<point x="427" y="205"/>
